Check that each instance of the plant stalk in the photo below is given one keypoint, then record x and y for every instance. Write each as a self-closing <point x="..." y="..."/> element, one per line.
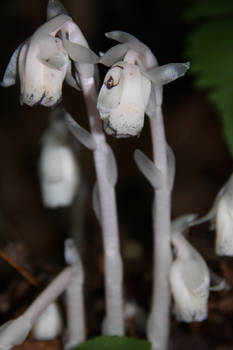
<point x="114" y="321"/>
<point x="52" y="291"/>
<point x="159" y="320"/>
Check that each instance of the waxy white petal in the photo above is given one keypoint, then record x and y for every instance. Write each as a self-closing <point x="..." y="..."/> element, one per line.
<point x="51" y="27"/>
<point x="80" y="53"/>
<point x="49" y="324"/>
<point x="189" y="281"/>
<point x="81" y="134"/>
<point x="149" y="169"/>
<point x="113" y="55"/>
<point x="167" y="73"/>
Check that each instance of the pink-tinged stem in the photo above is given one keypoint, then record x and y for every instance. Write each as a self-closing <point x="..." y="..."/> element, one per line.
<point x="52" y="291"/>
<point x="159" y="321"/>
<point x="114" y="321"/>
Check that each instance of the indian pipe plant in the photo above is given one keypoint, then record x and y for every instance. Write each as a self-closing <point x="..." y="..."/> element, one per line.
<point x="132" y="89"/>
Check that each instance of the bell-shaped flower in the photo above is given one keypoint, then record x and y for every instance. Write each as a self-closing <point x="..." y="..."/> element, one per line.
<point x="189" y="281"/>
<point x="221" y="217"/>
<point x="58" y="167"/>
<point x="49" y="324"/>
<point x="129" y="84"/>
<point x="43" y="61"/>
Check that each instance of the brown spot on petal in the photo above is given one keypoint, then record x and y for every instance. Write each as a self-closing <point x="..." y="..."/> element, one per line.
<point x="110" y="83"/>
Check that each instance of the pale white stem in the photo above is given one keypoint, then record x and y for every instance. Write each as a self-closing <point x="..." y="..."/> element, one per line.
<point x="114" y="322"/>
<point x="75" y="333"/>
<point x="52" y="291"/>
<point x="158" y="324"/>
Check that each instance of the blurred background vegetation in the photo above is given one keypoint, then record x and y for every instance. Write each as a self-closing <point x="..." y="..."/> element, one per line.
<point x="198" y="117"/>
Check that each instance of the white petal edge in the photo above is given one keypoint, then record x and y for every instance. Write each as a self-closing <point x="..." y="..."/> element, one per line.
<point x="82" y="135"/>
<point x="80" y="53"/>
<point x="167" y="73"/>
<point x="148" y="169"/>
<point x="113" y="55"/>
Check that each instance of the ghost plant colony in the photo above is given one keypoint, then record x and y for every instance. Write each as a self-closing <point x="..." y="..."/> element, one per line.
<point x="132" y="87"/>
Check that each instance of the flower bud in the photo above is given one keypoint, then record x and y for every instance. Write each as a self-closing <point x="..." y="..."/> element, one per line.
<point x="58" y="167"/>
<point x="189" y="281"/>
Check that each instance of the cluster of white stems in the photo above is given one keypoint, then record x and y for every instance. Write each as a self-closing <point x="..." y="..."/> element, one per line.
<point x="132" y="88"/>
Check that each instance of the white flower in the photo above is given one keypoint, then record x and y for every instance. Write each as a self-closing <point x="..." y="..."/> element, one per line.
<point x="49" y="324"/>
<point x="43" y="61"/>
<point x="189" y="281"/>
<point x="123" y="98"/>
<point x="224" y="226"/>
<point x="129" y="84"/>
<point x="221" y="217"/>
<point x="58" y="167"/>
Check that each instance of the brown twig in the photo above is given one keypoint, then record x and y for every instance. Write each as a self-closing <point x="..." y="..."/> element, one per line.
<point x="20" y="269"/>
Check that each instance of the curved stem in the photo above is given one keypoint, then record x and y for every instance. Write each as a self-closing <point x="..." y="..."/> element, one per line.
<point x="52" y="291"/>
<point x="158" y="325"/>
<point x="114" y="322"/>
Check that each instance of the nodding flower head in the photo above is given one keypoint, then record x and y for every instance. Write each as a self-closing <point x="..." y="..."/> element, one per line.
<point x="189" y="281"/>
<point x="58" y="167"/>
<point x="221" y="218"/>
<point x="130" y="84"/>
<point x="43" y="61"/>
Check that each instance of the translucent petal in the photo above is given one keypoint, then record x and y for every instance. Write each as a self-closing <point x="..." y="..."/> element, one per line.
<point x="55" y="8"/>
<point x="82" y="135"/>
<point x="96" y="203"/>
<point x="112" y="173"/>
<point x="148" y="169"/>
<point x="51" y="27"/>
<point x="71" y="253"/>
<point x="10" y="75"/>
<point x="121" y="36"/>
<point x="80" y="53"/>
<point x="162" y="75"/>
<point x="171" y="167"/>
<point x="218" y="283"/>
<point x="115" y="54"/>
<point x="182" y="222"/>
<point x="57" y="61"/>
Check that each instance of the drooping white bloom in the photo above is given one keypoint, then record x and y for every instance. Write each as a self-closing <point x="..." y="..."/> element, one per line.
<point x="49" y="325"/>
<point x="123" y="98"/>
<point x="129" y="84"/>
<point x="58" y="168"/>
<point x="221" y="217"/>
<point x="43" y="61"/>
<point x="14" y="332"/>
<point x="189" y="281"/>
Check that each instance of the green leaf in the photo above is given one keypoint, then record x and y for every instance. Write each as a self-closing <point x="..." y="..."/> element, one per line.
<point x="114" y="343"/>
<point x="210" y="51"/>
<point x="209" y="8"/>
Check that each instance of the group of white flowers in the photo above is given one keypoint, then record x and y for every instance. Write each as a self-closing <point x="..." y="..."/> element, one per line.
<point x="43" y="62"/>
